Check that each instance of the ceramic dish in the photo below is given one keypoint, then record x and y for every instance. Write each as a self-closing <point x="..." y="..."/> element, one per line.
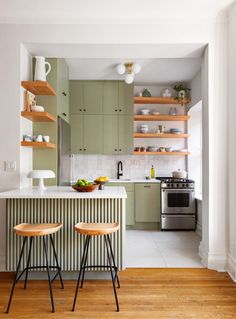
<point x="145" y="112"/>
<point x="85" y="189"/>
<point x="155" y="113"/>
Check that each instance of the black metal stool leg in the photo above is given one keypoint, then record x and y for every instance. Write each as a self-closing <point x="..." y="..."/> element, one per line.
<point x="114" y="263"/>
<point x="112" y="278"/>
<point x="28" y="262"/>
<point x="85" y="261"/>
<point x="80" y="272"/>
<point x="15" y="279"/>
<point x="56" y="259"/>
<point x="49" y="279"/>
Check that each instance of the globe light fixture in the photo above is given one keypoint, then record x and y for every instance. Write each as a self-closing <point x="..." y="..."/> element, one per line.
<point x="129" y="69"/>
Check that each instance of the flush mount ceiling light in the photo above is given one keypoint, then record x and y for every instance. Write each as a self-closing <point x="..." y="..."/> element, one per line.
<point x="129" y="69"/>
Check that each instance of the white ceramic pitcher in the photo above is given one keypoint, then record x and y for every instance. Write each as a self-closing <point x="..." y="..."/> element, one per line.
<point x="40" y="68"/>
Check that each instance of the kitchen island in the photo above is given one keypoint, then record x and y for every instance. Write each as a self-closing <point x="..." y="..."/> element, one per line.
<point x="65" y="205"/>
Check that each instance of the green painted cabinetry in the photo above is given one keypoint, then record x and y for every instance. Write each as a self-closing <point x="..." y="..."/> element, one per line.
<point x="147" y="202"/>
<point x="113" y="100"/>
<point x="86" y="134"/>
<point x="63" y="89"/>
<point x="86" y="97"/>
<point x="129" y="187"/>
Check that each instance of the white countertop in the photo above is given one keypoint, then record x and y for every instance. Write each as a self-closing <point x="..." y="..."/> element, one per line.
<point x="136" y="180"/>
<point x="64" y="192"/>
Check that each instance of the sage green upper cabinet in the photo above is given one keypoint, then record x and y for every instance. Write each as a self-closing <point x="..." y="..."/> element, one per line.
<point x="147" y="202"/>
<point x="63" y="89"/>
<point x="86" y="134"/>
<point x="111" y="97"/>
<point x="126" y="128"/>
<point x="93" y="97"/>
<point x="118" y="98"/>
<point x="76" y="96"/>
<point x="86" y="97"/>
<point x="111" y="134"/>
<point x="77" y="142"/>
<point x="126" y="98"/>
<point x="93" y="134"/>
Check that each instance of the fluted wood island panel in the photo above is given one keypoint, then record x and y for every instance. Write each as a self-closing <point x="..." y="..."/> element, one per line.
<point x="69" y="211"/>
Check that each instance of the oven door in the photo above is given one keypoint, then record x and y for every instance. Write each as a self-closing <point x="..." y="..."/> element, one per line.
<point x="177" y="201"/>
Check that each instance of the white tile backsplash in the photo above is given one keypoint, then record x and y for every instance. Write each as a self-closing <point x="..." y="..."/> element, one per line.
<point x="134" y="166"/>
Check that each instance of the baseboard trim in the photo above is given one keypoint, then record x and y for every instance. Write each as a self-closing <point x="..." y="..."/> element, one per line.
<point x="213" y="261"/>
<point x="231" y="267"/>
<point x="2" y="263"/>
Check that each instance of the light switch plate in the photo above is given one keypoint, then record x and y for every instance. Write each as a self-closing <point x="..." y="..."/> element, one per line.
<point x="9" y="166"/>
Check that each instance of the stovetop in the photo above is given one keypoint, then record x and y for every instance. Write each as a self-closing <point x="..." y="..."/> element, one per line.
<point x="180" y="183"/>
<point x="174" y="180"/>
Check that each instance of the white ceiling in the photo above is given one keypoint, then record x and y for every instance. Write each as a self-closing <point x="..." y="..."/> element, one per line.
<point x="106" y="11"/>
<point x="158" y="71"/>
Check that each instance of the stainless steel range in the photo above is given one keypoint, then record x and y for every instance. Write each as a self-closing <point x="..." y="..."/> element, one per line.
<point x="177" y="204"/>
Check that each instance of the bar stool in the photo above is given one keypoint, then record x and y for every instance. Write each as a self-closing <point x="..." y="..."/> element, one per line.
<point x="98" y="229"/>
<point x="32" y="231"/>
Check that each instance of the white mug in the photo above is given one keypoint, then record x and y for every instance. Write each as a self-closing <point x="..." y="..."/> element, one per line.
<point x="46" y="138"/>
<point x="39" y="138"/>
<point x="40" y="73"/>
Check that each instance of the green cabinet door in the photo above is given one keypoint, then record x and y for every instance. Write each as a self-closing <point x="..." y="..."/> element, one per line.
<point x="76" y="96"/>
<point x="77" y="124"/>
<point x="110" y="134"/>
<point x="63" y="89"/>
<point x="126" y="98"/>
<point x="110" y="97"/>
<point x="93" y="134"/>
<point x="147" y="202"/>
<point x="93" y="97"/>
<point x="126" y="130"/>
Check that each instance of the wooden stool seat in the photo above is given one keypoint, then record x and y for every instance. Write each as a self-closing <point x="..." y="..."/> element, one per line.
<point x="33" y="230"/>
<point x="94" y="229"/>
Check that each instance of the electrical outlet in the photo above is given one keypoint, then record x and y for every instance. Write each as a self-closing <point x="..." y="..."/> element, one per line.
<point x="9" y="166"/>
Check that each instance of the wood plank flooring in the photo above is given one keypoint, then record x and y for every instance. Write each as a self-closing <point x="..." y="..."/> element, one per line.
<point x="145" y="293"/>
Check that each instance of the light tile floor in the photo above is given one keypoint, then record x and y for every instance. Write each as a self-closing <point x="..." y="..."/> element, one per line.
<point x="158" y="249"/>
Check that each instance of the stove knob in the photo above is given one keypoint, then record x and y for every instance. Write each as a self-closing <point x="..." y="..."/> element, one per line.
<point x="177" y="185"/>
<point x="172" y="185"/>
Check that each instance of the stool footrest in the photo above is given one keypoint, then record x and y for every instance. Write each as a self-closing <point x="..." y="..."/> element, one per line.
<point x="40" y="267"/>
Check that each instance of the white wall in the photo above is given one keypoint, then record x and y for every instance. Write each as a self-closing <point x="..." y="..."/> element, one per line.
<point x="232" y="144"/>
<point x="196" y="31"/>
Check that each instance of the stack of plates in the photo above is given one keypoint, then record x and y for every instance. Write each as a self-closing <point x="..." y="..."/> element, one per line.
<point x="176" y="131"/>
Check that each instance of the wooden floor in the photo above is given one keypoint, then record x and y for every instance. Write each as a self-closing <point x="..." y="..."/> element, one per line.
<point x="145" y="293"/>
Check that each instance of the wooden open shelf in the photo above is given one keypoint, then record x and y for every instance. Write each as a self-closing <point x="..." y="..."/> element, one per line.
<point x="39" y="116"/>
<point x="158" y="100"/>
<point x="38" y="87"/>
<point x="164" y="135"/>
<point x="38" y="144"/>
<point x="162" y="153"/>
<point x="162" y="117"/>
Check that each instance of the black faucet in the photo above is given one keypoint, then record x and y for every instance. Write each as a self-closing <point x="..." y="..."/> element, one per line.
<point x="119" y="169"/>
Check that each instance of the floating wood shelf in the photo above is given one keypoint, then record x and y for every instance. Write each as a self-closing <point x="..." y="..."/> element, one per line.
<point x="162" y="153"/>
<point x="155" y="135"/>
<point x="162" y="117"/>
<point x="158" y="100"/>
<point x="38" y="144"/>
<point x="39" y="116"/>
<point x="38" y="87"/>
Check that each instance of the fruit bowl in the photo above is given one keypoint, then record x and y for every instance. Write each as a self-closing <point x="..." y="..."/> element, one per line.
<point x="85" y="189"/>
<point x="101" y="184"/>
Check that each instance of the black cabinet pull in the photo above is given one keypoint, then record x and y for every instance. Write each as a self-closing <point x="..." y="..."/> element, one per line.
<point x="147" y="186"/>
<point x="64" y="114"/>
<point x="116" y="110"/>
<point x="80" y="149"/>
<point x="120" y="110"/>
<point x="64" y="93"/>
<point x="115" y="149"/>
<point x="80" y="110"/>
<point x="84" y="149"/>
<point x="84" y="110"/>
<point x="120" y="149"/>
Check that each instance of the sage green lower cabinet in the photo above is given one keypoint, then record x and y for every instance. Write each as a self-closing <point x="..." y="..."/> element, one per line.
<point x="147" y="202"/>
<point x="129" y="187"/>
<point x="86" y="134"/>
